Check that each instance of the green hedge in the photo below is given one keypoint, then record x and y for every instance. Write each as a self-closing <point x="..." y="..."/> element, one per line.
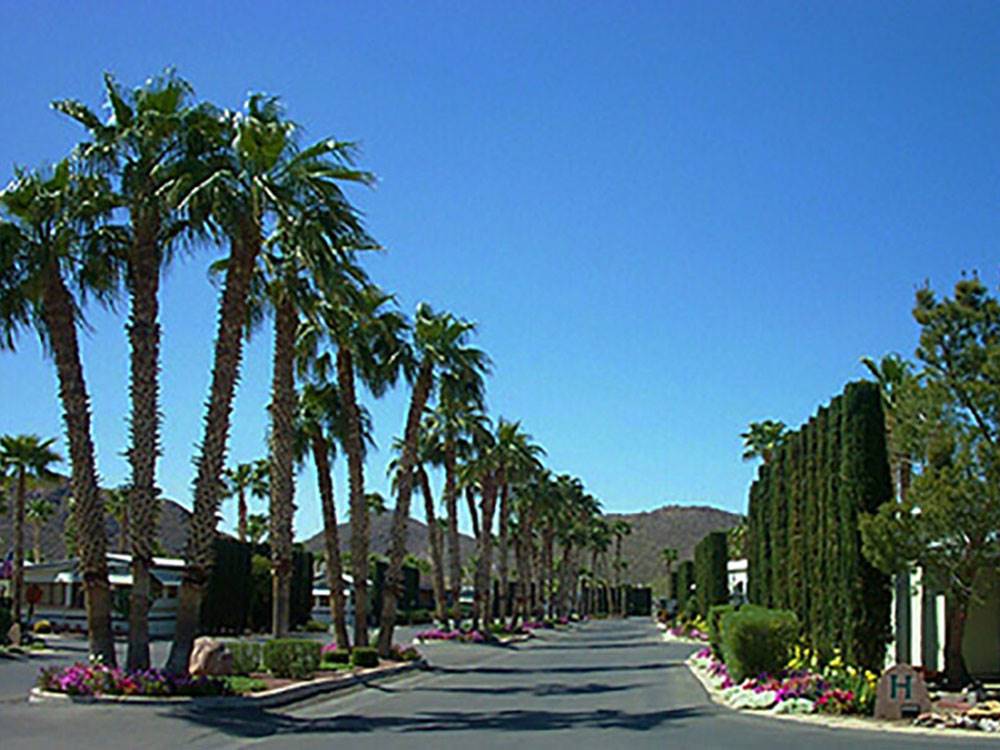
<point x="685" y="579"/>
<point x="715" y="615"/>
<point x="711" y="578"/>
<point x="364" y="657"/>
<point x="804" y="541"/>
<point x="291" y="657"/>
<point x="757" y="641"/>
<point x="246" y="656"/>
<point x="337" y="656"/>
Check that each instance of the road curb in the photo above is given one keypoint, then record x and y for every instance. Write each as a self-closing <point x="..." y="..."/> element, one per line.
<point x="850" y="723"/>
<point x="275" y="698"/>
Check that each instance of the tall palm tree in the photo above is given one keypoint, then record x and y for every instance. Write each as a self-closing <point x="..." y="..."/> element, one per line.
<point x="762" y="439"/>
<point x="256" y="528"/>
<point x="669" y="556"/>
<point x="243" y="190"/>
<point x="517" y="458"/>
<point x="440" y="344"/>
<point x="23" y="457"/>
<point x="38" y="511"/>
<point x="51" y="245"/>
<point x="242" y="480"/>
<point x="452" y="427"/>
<point x="599" y="543"/>
<point x="367" y="331"/>
<point x="893" y="375"/>
<point x="320" y="428"/>
<point x="152" y="134"/>
<point x="619" y="530"/>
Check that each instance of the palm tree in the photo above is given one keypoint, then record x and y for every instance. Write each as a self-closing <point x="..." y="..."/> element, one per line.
<point x="256" y="528"/>
<point x="241" y="480"/>
<point x="452" y="427"/>
<point x="243" y="189"/>
<point x="517" y="457"/>
<point x="599" y="544"/>
<point x="440" y="344"/>
<point x="320" y="428"/>
<point x="23" y="457"/>
<point x="619" y="530"/>
<point x="152" y="134"/>
<point x="367" y="330"/>
<point x="116" y="502"/>
<point x="893" y="375"/>
<point x="669" y="556"/>
<point x="762" y="439"/>
<point x="48" y="247"/>
<point x="38" y="511"/>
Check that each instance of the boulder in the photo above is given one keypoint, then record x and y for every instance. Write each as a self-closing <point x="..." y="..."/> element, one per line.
<point x="14" y="635"/>
<point x="210" y="658"/>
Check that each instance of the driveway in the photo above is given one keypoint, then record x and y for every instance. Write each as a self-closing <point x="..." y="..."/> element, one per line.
<point x="605" y="685"/>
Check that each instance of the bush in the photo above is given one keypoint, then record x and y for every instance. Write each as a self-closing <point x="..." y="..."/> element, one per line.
<point x="757" y="641"/>
<point x="246" y="656"/>
<point x="715" y="615"/>
<point x="398" y="653"/>
<point x="5" y="620"/>
<point x="41" y="627"/>
<point x="315" y="626"/>
<point x="292" y="658"/>
<point x="364" y="657"/>
<point x="333" y="654"/>
<point x="710" y="572"/>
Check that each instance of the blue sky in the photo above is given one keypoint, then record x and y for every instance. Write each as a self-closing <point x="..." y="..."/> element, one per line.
<point x="669" y="219"/>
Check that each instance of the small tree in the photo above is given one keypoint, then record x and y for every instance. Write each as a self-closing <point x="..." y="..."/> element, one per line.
<point x="38" y="511"/>
<point x="948" y="419"/>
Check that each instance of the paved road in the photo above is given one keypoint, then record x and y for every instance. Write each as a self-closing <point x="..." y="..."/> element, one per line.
<point x="606" y="685"/>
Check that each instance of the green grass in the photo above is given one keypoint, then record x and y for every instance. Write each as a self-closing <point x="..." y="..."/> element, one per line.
<point x="331" y="666"/>
<point x="240" y="684"/>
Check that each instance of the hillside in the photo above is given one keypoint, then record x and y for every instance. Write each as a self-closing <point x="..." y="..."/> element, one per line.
<point x="417" y="539"/>
<point x="678" y="526"/>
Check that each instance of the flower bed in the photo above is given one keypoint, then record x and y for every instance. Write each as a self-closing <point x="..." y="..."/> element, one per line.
<point x="835" y="689"/>
<point x="98" y="680"/>
<point x="458" y="636"/>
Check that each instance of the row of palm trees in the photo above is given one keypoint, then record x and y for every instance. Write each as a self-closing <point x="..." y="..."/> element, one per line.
<point x="164" y="171"/>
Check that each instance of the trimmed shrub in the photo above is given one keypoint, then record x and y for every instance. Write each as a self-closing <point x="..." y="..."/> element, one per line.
<point x="364" y="657"/>
<point x="5" y="620"/>
<point x="715" y="615"/>
<point x="246" y="656"/>
<point x="315" y="626"/>
<point x="757" y="641"/>
<point x="711" y="579"/>
<point x="291" y="658"/>
<point x="333" y="654"/>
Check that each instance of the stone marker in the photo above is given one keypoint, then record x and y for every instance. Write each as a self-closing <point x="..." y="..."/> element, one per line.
<point x="901" y="688"/>
<point x="209" y="657"/>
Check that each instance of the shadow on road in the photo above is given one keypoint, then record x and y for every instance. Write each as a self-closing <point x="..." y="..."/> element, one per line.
<point x="590" y="688"/>
<point x="257" y="724"/>
<point x="553" y="670"/>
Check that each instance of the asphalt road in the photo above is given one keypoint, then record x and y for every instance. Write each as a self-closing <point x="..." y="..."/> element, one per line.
<point x="604" y="685"/>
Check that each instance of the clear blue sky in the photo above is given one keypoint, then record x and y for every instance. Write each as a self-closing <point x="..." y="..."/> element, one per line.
<point x="669" y="219"/>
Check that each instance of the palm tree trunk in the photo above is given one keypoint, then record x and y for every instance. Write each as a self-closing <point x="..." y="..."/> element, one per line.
<point x="523" y="558"/>
<point x="282" y="457"/>
<point x="331" y="544"/>
<point x="241" y="509"/>
<point x="60" y="322"/>
<point x="397" y="544"/>
<point x="454" y="548"/>
<point x="356" y="487"/>
<point x="208" y="484"/>
<point x="37" y="536"/>
<point x="484" y="569"/>
<point x="17" y="579"/>
<point x="437" y="556"/>
<point x="143" y="277"/>
<point x="470" y="500"/>
<point x="502" y="538"/>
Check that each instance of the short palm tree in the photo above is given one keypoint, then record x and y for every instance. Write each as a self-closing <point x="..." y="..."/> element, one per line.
<point x="23" y="457"/>
<point x="440" y="344"/>
<point x="256" y="528"/>
<point x="242" y="480"/>
<point x="51" y="247"/>
<point x="38" y="511"/>
<point x="116" y="502"/>
<point x="762" y="439"/>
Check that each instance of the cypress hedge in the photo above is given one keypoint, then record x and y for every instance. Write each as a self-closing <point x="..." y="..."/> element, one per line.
<point x="711" y="582"/>
<point x="685" y="579"/>
<point x="805" y="548"/>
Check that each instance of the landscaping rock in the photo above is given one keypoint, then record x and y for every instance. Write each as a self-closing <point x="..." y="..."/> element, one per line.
<point x="14" y="635"/>
<point x="901" y="687"/>
<point x="210" y="658"/>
